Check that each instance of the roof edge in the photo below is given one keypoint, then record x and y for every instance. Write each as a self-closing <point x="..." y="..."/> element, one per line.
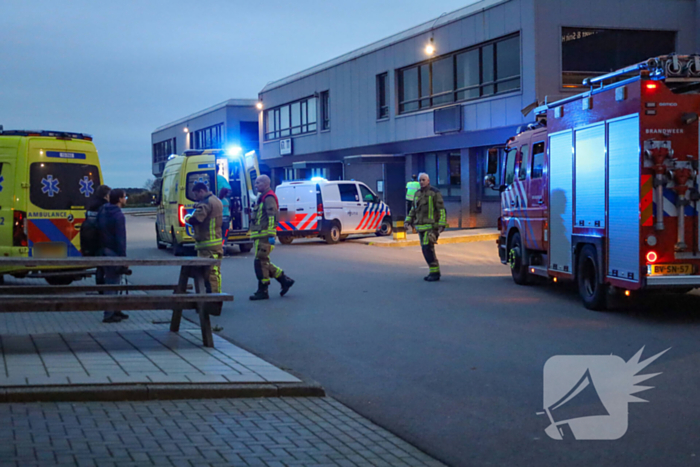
<point x="221" y="105"/>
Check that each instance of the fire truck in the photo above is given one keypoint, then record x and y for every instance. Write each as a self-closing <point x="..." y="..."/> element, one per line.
<point x="602" y="189"/>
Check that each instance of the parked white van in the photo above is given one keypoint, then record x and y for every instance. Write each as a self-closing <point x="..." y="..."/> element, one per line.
<point x="329" y="209"/>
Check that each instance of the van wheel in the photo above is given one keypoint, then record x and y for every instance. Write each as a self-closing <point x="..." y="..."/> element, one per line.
<point x="178" y="250"/>
<point x="245" y="247"/>
<point x="385" y="228"/>
<point x="59" y="280"/>
<point x="286" y="240"/>
<point x="518" y="260"/>
<point x="589" y="279"/>
<point x="332" y="236"/>
<point x="161" y="245"/>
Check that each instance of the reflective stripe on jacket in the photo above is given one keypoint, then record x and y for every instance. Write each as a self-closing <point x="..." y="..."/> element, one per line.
<point x="411" y="188"/>
<point x="428" y="211"/>
<point x="265" y="220"/>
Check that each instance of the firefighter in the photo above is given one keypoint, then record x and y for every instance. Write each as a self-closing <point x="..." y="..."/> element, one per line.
<point x="206" y="222"/>
<point x="264" y="231"/>
<point x="429" y="218"/>
<point x="411" y="188"/>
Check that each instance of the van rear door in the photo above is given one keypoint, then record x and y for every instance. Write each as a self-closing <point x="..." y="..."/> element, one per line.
<point x="7" y="212"/>
<point x="287" y="207"/>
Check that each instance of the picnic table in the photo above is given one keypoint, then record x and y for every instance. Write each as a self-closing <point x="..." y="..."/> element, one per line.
<point x="40" y="298"/>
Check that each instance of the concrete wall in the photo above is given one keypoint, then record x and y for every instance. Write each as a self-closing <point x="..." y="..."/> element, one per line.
<point x="352" y="87"/>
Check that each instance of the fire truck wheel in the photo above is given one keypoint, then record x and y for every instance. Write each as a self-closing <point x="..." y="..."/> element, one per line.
<point x="287" y="240"/>
<point x="517" y="259"/>
<point x="590" y="284"/>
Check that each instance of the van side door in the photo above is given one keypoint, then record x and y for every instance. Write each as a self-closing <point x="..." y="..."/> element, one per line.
<point x="352" y="206"/>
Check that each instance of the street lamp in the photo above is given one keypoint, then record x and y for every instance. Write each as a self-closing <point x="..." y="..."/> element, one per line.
<point x="259" y="105"/>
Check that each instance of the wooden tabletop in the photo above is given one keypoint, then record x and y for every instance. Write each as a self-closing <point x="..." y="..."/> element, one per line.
<point x="94" y="261"/>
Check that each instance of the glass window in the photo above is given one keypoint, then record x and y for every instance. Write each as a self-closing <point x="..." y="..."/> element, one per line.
<point x="443" y="81"/>
<point x="284" y="121"/>
<point x="296" y="118"/>
<point x="587" y="52"/>
<point x="431" y="166"/>
<point x="510" y="165"/>
<point x="348" y="192"/>
<point x="425" y="85"/>
<point x="508" y="64"/>
<point x="367" y="195"/>
<point x="409" y="90"/>
<point x="487" y="74"/>
<point x="524" y="162"/>
<point x="382" y="101"/>
<point x="468" y="74"/>
<point x="325" y="109"/>
<point x="537" y="160"/>
<point x="205" y="177"/>
<point x="455" y="169"/>
<point x="443" y="169"/>
<point x="60" y="185"/>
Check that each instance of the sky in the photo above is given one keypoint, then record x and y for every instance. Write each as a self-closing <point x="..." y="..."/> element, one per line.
<point x="119" y="69"/>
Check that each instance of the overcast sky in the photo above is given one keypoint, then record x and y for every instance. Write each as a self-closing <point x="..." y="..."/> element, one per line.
<point x="119" y="69"/>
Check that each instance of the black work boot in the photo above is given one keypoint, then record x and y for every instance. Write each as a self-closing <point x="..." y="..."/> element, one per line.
<point x="261" y="293"/>
<point x="286" y="282"/>
<point x="432" y="277"/>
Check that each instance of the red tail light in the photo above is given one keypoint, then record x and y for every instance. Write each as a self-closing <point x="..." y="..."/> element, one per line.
<point x="181" y="214"/>
<point x="319" y="209"/>
<point x="651" y="86"/>
<point x="19" y="229"/>
<point x="652" y="257"/>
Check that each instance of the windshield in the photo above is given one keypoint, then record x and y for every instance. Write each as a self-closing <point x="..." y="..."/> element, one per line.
<point x="60" y="185"/>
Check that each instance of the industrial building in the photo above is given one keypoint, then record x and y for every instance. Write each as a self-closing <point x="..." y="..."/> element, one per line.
<point x="436" y="97"/>
<point x="230" y="123"/>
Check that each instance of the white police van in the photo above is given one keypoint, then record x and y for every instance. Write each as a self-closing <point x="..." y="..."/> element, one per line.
<point x="329" y="209"/>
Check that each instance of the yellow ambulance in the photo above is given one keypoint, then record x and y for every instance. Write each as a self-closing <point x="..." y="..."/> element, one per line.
<point x="217" y="169"/>
<point x="46" y="179"/>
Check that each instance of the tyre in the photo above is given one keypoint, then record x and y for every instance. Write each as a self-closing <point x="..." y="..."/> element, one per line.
<point x="178" y="250"/>
<point x="286" y="240"/>
<point x="589" y="278"/>
<point x="332" y="236"/>
<point x="161" y="245"/>
<point x="245" y="247"/>
<point x="59" y="280"/>
<point x="385" y="228"/>
<point x="518" y="260"/>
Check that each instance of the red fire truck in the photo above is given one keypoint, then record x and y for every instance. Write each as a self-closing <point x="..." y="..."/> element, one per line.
<point x="602" y="189"/>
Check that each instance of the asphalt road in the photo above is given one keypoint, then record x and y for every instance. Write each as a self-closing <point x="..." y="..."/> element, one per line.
<point x="456" y="367"/>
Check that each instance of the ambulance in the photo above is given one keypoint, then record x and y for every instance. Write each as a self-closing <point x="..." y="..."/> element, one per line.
<point x="46" y="179"/>
<point x="331" y="210"/>
<point x="216" y="168"/>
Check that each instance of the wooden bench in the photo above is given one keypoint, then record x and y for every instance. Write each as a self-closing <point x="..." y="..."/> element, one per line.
<point x="73" y="298"/>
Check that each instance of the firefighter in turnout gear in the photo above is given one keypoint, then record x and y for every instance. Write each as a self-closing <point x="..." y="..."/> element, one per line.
<point x="264" y="232"/>
<point x="429" y="217"/>
<point x="206" y="222"/>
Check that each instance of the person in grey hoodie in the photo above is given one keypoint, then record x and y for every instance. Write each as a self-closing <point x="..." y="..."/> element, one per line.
<point x="112" y="226"/>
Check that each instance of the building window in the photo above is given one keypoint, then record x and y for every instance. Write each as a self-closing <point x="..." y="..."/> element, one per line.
<point x="382" y="101"/>
<point x="296" y="118"/>
<point x="249" y="136"/>
<point x="325" y="111"/>
<point x="444" y="170"/>
<point x="588" y="52"/>
<point x="480" y="71"/>
<point x="163" y="150"/>
<point x="208" y="138"/>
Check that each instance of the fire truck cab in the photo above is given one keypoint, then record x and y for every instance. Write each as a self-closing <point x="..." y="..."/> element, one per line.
<point x="603" y="189"/>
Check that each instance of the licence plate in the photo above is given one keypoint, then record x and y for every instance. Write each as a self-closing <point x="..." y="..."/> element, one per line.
<point x="50" y="250"/>
<point x="671" y="269"/>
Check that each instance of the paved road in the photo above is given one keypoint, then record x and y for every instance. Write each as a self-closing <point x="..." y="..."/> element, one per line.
<point x="456" y="367"/>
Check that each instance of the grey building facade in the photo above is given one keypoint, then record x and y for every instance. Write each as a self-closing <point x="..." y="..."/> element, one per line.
<point x="391" y="109"/>
<point x="230" y="123"/>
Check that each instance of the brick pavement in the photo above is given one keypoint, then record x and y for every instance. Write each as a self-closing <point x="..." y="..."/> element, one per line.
<point x="272" y="432"/>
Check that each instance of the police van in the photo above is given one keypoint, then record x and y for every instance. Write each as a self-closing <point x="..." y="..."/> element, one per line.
<point x="217" y="169"/>
<point x="329" y="209"/>
<point x="46" y="179"/>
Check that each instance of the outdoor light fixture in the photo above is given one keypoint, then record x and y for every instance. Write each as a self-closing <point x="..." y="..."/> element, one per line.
<point x="430" y="48"/>
<point x="186" y="130"/>
<point x="259" y="105"/>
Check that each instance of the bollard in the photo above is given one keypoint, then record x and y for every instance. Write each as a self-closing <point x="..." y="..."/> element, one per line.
<point x="399" y="231"/>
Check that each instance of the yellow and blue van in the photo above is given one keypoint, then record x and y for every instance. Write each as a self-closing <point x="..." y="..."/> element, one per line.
<point x="216" y="168"/>
<point x="46" y="179"/>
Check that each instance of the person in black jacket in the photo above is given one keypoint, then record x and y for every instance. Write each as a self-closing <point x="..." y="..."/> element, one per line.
<point x="112" y="225"/>
<point x="89" y="231"/>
